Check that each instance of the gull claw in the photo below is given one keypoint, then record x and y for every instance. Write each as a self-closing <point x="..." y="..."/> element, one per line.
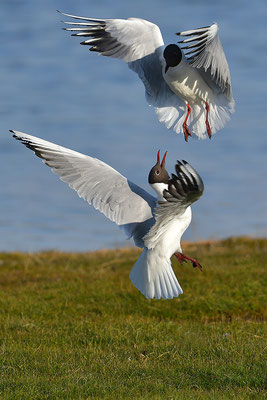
<point x="197" y="265"/>
<point x="183" y="258"/>
<point x="186" y="132"/>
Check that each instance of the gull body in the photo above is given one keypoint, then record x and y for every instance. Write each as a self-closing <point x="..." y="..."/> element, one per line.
<point x="166" y="242"/>
<point x="187" y="83"/>
<point x="155" y="224"/>
<point x="170" y="240"/>
<point x="188" y="86"/>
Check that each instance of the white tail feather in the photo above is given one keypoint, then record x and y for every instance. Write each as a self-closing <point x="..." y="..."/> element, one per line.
<point x="153" y="275"/>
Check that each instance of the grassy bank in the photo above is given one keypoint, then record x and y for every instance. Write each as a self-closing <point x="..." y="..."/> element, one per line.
<point x="72" y="326"/>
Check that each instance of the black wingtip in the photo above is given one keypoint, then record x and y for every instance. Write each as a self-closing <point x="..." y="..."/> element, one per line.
<point x="178" y="34"/>
<point x="14" y="135"/>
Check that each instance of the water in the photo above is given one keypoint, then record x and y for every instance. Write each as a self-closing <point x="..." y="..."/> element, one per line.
<point x="54" y="88"/>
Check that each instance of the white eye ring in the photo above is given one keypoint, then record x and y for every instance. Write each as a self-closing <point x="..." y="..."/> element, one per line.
<point x="157" y="172"/>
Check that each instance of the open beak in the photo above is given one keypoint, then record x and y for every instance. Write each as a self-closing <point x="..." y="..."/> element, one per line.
<point x="162" y="164"/>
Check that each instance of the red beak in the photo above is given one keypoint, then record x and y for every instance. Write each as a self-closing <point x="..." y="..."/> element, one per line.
<point x="163" y="160"/>
<point x="158" y="157"/>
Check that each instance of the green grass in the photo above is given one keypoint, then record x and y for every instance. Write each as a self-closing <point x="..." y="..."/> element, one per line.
<point x="72" y="326"/>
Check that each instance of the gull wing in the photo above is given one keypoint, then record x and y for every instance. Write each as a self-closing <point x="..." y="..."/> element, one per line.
<point x="184" y="188"/>
<point x="128" y="39"/>
<point x="204" y="51"/>
<point x="107" y="190"/>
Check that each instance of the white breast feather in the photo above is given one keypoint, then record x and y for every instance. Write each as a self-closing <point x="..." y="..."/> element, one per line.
<point x="167" y="235"/>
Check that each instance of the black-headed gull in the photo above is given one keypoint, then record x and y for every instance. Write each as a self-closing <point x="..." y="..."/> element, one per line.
<point x="156" y="224"/>
<point x="191" y="92"/>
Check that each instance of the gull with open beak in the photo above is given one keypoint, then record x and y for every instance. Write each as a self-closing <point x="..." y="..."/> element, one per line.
<point x="191" y="92"/>
<point x="155" y="224"/>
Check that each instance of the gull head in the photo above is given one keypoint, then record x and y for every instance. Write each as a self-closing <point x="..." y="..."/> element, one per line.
<point x="173" y="56"/>
<point x="158" y="173"/>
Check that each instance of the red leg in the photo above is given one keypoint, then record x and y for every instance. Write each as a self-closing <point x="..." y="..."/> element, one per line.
<point x="185" y="127"/>
<point x="183" y="258"/>
<point x="207" y="120"/>
<point x="180" y="258"/>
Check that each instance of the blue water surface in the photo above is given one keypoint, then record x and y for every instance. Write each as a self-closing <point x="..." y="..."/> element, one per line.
<point x="54" y="88"/>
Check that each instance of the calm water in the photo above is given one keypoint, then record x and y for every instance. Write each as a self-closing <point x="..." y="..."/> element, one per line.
<point x="54" y="88"/>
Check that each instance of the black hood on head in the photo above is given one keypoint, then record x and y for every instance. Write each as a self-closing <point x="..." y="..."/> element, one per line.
<point x="173" y="56"/>
<point x="158" y="173"/>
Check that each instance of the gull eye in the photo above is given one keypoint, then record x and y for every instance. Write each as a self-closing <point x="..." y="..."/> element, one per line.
<point x="157" y="172"/>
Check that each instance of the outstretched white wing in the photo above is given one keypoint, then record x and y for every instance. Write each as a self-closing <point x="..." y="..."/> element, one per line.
<point x="206" y="54"/>
<point x="128" y="39"/>
<point x="102" y="186"/>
